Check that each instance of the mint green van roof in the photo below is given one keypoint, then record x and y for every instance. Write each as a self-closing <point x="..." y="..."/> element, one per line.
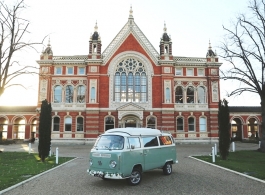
<point x="135" y="131"/>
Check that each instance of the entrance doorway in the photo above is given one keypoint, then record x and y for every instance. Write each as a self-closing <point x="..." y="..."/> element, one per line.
<point x="130" y="123"/>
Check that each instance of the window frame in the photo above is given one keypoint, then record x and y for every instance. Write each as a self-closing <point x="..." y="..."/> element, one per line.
<point x="58" y="68"/>
<point x="203" y="72"/>
<point x="79" y="68"/>
<point x="205" y="124"/>
<point x="70" y="124"/>
<point x="189" y="124"/>
<point x="79" y="125"/>
<point x="188" y="70"/>
<point x="69" y="68"/>
<point x="180" y="70"/>
<point x="178" y="123"/>
<point x="57" y="124"/>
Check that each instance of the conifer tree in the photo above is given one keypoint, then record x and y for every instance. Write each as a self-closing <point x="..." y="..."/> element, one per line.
<point x="224" y="129"/>
<point x="45" y="130"/>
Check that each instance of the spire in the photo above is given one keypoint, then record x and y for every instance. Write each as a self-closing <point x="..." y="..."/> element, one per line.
<point x="165" y="28"/>
<point x="95" y="35"/>
<point x="96" y="27"/>
<point x="48" y="49"/>
<point x="210" y="47"/>
<point x="165" y="35"/>
<point x="131" y="13"/>
<point x="210" y="52"/>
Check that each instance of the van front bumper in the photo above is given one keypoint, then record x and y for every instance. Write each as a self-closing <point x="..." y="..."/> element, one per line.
<point x="106" y="175"/>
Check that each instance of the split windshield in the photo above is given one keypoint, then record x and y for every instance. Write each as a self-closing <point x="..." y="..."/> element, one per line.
<point x="109" y="142"/>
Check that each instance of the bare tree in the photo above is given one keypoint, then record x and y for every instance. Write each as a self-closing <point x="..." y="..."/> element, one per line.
<point x="244" y="49"/>
<point x="13" y="30"/>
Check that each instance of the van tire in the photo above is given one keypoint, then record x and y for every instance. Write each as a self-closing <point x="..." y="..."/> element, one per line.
<point x="167" y="168"/>
<point x="135" y="177"/>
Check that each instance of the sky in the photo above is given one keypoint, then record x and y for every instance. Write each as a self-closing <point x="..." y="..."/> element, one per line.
<point x="69" y="25"/>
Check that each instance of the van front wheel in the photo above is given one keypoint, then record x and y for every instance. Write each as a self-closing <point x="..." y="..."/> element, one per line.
<point x="135" y="177"/>
<point x="167" y="169"/>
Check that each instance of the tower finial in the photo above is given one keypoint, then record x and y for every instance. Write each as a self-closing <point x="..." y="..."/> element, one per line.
<point x="210" y="47"/>
<point x="96" y="27"/>
<point x="131" y="12"/>
<point x="165" y="28"/>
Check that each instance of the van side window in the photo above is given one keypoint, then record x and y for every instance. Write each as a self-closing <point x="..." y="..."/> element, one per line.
<point x="165" y="140"/>
<point x="150" y="141"/>
<point x="135" y="142"/>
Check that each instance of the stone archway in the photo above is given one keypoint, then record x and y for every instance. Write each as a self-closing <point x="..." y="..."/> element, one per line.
<point x="130" y="121"/>
<point x="236" y="128"/>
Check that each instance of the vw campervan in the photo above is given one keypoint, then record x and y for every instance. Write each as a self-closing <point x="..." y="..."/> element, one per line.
<point x="125" y="153"/>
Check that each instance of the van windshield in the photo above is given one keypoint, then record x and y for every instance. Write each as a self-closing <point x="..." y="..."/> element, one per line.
<point x="109" y="142"/>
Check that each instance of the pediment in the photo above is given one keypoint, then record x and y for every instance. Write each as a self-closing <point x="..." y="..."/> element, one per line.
<point x="130" y="107"/>
<point x="130" y="28"/>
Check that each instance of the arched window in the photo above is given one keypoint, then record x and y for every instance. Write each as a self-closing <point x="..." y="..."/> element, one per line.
<point x="80" y="94"/>
<point x="191" y="124"/>
<point x="130" y="83"/>
<point x="180" y="124"/>
<point x="109" y="123"/>
<point x="202" y="124"/>
<point x="252" y="128"/>
<point x="179" y="95"/>
<point x="3" y="128"/>
<point x="69" y="93"/>
<point x="190" y="94"/>
<point x="93" y="94"/>
<point x="79" y="124"/>
<point x="56" y="123"/>
<point x="57" y="94"/>
<point x="68" y="123"/>
<point x="19" y="129"/>
<point x="201" y="95"/>
<point x="151" y="122"/>
<point x="167" y="95"/>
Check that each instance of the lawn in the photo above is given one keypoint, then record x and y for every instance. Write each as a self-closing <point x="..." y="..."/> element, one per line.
<point x="247" y="162"/>
<point x="18" y="166"/>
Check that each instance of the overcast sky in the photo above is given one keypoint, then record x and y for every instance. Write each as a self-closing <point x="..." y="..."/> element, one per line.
<point x="69" y="24"/>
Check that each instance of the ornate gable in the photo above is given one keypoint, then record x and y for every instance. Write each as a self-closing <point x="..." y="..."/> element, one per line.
<point x="130" y="28"/>
<point x="130" y="109"/>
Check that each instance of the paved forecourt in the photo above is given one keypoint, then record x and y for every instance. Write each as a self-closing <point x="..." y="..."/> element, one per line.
<point x="189" y="176"/>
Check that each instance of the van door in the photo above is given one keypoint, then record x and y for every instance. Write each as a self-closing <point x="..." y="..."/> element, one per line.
<point x="133" y="155"/>
<point x="151" y="152"/>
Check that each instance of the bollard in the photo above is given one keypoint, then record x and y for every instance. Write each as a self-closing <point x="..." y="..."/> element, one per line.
<point x="259" y="143"/>
<point x="29" y="148"/>
<point x="50" y="153"/>
<point x="215" y="149"/>
<point x="233" y="146"/>
<point x="57" y="154"/>
<point x="213" y="155"/>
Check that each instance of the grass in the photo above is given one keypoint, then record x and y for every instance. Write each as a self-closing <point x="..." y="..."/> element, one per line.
<point x="247" y="162"/>
<point x="18" y="166"/>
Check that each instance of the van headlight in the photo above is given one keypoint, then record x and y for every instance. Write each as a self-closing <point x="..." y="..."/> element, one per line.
<point x="90" y="162"/>
<point x="112" y="164"/>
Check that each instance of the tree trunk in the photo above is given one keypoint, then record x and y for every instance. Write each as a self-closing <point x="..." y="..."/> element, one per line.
<point x="262" y="137"/>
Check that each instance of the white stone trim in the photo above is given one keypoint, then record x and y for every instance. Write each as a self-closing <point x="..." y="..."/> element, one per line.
<point x="149" y="73"/>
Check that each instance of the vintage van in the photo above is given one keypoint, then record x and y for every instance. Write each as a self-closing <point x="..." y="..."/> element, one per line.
<point x="125" y="153"/>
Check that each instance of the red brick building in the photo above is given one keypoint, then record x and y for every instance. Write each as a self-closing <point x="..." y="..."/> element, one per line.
<point x="129" y="84"/>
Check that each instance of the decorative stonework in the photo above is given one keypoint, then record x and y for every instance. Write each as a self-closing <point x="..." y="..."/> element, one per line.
<point x="43" y="90"/>
<point x="149" y="72"/>
<point x="166" y="69"/>
<point x="130" y="109"/>
<point x="215" y="91"/>
<point x="214" y="72"/>
<point x="93" y="69"/>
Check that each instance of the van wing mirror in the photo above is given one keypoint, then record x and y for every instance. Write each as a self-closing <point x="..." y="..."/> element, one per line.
<point x="132" y="146"/>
